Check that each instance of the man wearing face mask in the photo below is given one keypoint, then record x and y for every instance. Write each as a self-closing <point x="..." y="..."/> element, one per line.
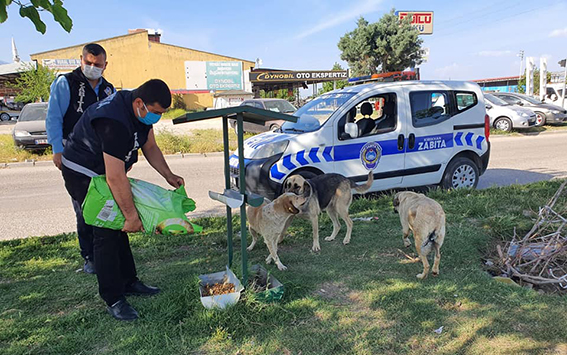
<point x="71" y="94"/>
<point x="106" y="141"/>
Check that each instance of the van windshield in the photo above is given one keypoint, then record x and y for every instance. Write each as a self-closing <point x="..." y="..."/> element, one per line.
<point x="316" y="112"/>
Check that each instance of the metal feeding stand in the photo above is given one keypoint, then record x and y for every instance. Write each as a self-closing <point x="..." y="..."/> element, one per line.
<point x="233" y="198"/>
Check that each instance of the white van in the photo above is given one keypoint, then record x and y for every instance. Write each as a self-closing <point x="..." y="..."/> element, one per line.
<point x="411" y="133"/>
<point x="554" y="94"/>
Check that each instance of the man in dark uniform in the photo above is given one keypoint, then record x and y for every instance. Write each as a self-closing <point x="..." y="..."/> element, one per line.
<point x="70" y="96"/>
<point x="106" y="140"/>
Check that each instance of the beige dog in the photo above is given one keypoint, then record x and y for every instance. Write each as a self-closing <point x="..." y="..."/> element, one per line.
<point x="270" y="220"/>
<point x="426" y="219"/>
<point x="331" y="193"/>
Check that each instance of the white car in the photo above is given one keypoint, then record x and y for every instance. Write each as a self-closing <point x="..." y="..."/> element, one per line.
<point x="411" y="133"/>
<point x="504" y="116"/>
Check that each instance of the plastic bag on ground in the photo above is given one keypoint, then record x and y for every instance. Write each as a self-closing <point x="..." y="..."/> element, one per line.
<point x="160" y="210"/>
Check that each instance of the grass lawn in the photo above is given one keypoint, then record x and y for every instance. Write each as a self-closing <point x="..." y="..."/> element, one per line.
<point x="362" y="298"/>
<point x="9" y="153"/>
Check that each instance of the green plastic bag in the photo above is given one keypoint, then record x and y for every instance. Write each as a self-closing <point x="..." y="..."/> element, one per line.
<point x="161" y="211"/>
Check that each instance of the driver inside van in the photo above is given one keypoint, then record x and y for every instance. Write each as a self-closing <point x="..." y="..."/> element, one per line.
<point x="372" y="116"/>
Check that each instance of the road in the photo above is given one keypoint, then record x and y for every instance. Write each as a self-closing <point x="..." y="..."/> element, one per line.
<point x="33" y="200"/>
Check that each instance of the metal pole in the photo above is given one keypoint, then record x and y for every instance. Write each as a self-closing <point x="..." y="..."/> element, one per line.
<point x="227" y="186"/>
<point x="242" y="178"/>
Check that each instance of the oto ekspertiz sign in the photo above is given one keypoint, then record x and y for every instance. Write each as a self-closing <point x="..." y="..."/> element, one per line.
<point x="421" y="20"/>
<point x="297" y="76"/>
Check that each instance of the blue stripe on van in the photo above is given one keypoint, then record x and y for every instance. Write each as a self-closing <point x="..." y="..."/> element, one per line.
<point x="458" y="138"/>
<point x="301" y="159"/>
<point x="313" y="155"/>
<point x="468" y="138"/>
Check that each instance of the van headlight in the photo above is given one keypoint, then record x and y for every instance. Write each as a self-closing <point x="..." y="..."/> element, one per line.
<point x="22" y="134"/>
<point x="269" y="150"/>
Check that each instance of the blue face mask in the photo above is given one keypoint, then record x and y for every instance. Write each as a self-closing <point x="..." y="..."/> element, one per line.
<point x="150" y="118"/>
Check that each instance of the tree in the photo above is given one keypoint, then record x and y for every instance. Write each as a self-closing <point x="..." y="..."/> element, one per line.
<point x="331" y="85"/>
<point x="522" y="82"/>
<point x="34" y="84"/>
<point x="385" y="46"/>
<point x="31" y="11"/>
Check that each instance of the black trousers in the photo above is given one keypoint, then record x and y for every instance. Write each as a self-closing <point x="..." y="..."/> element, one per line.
<point x="115" y="267"/>
<point x="84" y="231"/>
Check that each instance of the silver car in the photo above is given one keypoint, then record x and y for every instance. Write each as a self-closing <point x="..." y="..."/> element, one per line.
<point x="545" y="113"/>
<point x="504" y="116"/>
<point x="29" y="132"/>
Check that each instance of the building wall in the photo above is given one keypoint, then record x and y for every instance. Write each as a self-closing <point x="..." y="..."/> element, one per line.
<point x="198" y="101"/>
<point x="133" y="59"/>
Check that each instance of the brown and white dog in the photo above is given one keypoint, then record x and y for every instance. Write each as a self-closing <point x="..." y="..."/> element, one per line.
<point x="331" y="193"/>
<point x="270" y="221"/>
<point x="426" y="219"/>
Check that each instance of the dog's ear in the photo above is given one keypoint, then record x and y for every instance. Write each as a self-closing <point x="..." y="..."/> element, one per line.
<point x="307" y="190"/>
<point x="396" y="201"/>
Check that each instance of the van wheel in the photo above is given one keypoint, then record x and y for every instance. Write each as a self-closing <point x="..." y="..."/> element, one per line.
<point x="4" y="117"/>
<point x="503" y="124"/>
<point x="460" y="173"/>
<point x="540" y="119"/>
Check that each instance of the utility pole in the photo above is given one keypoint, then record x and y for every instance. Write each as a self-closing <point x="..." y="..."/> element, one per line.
<point x="521" y="55"/>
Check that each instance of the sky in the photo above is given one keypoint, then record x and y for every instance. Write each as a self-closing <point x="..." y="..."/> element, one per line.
<point x="471" y="39"/>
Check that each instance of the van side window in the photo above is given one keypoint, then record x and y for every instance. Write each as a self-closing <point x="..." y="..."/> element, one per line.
<point x="374" y="115"/>
<point x="465" y="100"/>
<point x="429" y="107"/>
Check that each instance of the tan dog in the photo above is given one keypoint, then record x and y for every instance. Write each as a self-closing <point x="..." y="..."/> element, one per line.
<point x="426" y="219"/>
<point x="331" y="193"/>
<point x="270" y="220"/>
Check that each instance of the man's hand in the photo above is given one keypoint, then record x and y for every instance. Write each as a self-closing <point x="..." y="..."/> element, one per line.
<point x="133" y="225"/>
<point x="57" y="160"/>
<point x="174" y="180"/>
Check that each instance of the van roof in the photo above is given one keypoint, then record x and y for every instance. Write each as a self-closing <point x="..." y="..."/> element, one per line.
<point x="450" y="83"/>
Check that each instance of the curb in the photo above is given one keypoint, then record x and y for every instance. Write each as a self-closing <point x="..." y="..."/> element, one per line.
<point x="33" y="162"/>
<point x="527" y="134"/>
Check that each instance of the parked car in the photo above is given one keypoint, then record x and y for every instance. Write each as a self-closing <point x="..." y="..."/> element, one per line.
<point x="504" y="116"/>
<point x="277" y="105"/>
<point x="10" y="110"/>
<point x="408" y="134"/>
<point x="545" y="113"/>
<point x="29" y="132"/>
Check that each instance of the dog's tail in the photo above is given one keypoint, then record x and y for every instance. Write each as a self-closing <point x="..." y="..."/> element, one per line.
<point x="363" y="188"/>
<point x="432" y="239"/>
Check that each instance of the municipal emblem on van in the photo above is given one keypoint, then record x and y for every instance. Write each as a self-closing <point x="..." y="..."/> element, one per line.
<point x="370" y="155"/>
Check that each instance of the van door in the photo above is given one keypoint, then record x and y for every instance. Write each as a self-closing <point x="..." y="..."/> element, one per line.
<point x="429" y="143"/>
<point x="378" y="144"/>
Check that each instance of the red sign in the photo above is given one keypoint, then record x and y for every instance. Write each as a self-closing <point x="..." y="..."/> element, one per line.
<point x="421" y="20"/>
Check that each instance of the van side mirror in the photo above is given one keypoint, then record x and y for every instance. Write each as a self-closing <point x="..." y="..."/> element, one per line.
<point x="351" y="129"/>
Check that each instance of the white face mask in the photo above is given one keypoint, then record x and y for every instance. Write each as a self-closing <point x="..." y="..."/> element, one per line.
<point x="92" y="72"/>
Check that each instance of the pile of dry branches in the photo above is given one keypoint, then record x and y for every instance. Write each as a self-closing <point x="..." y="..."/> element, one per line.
<point x="540" y="257"/>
